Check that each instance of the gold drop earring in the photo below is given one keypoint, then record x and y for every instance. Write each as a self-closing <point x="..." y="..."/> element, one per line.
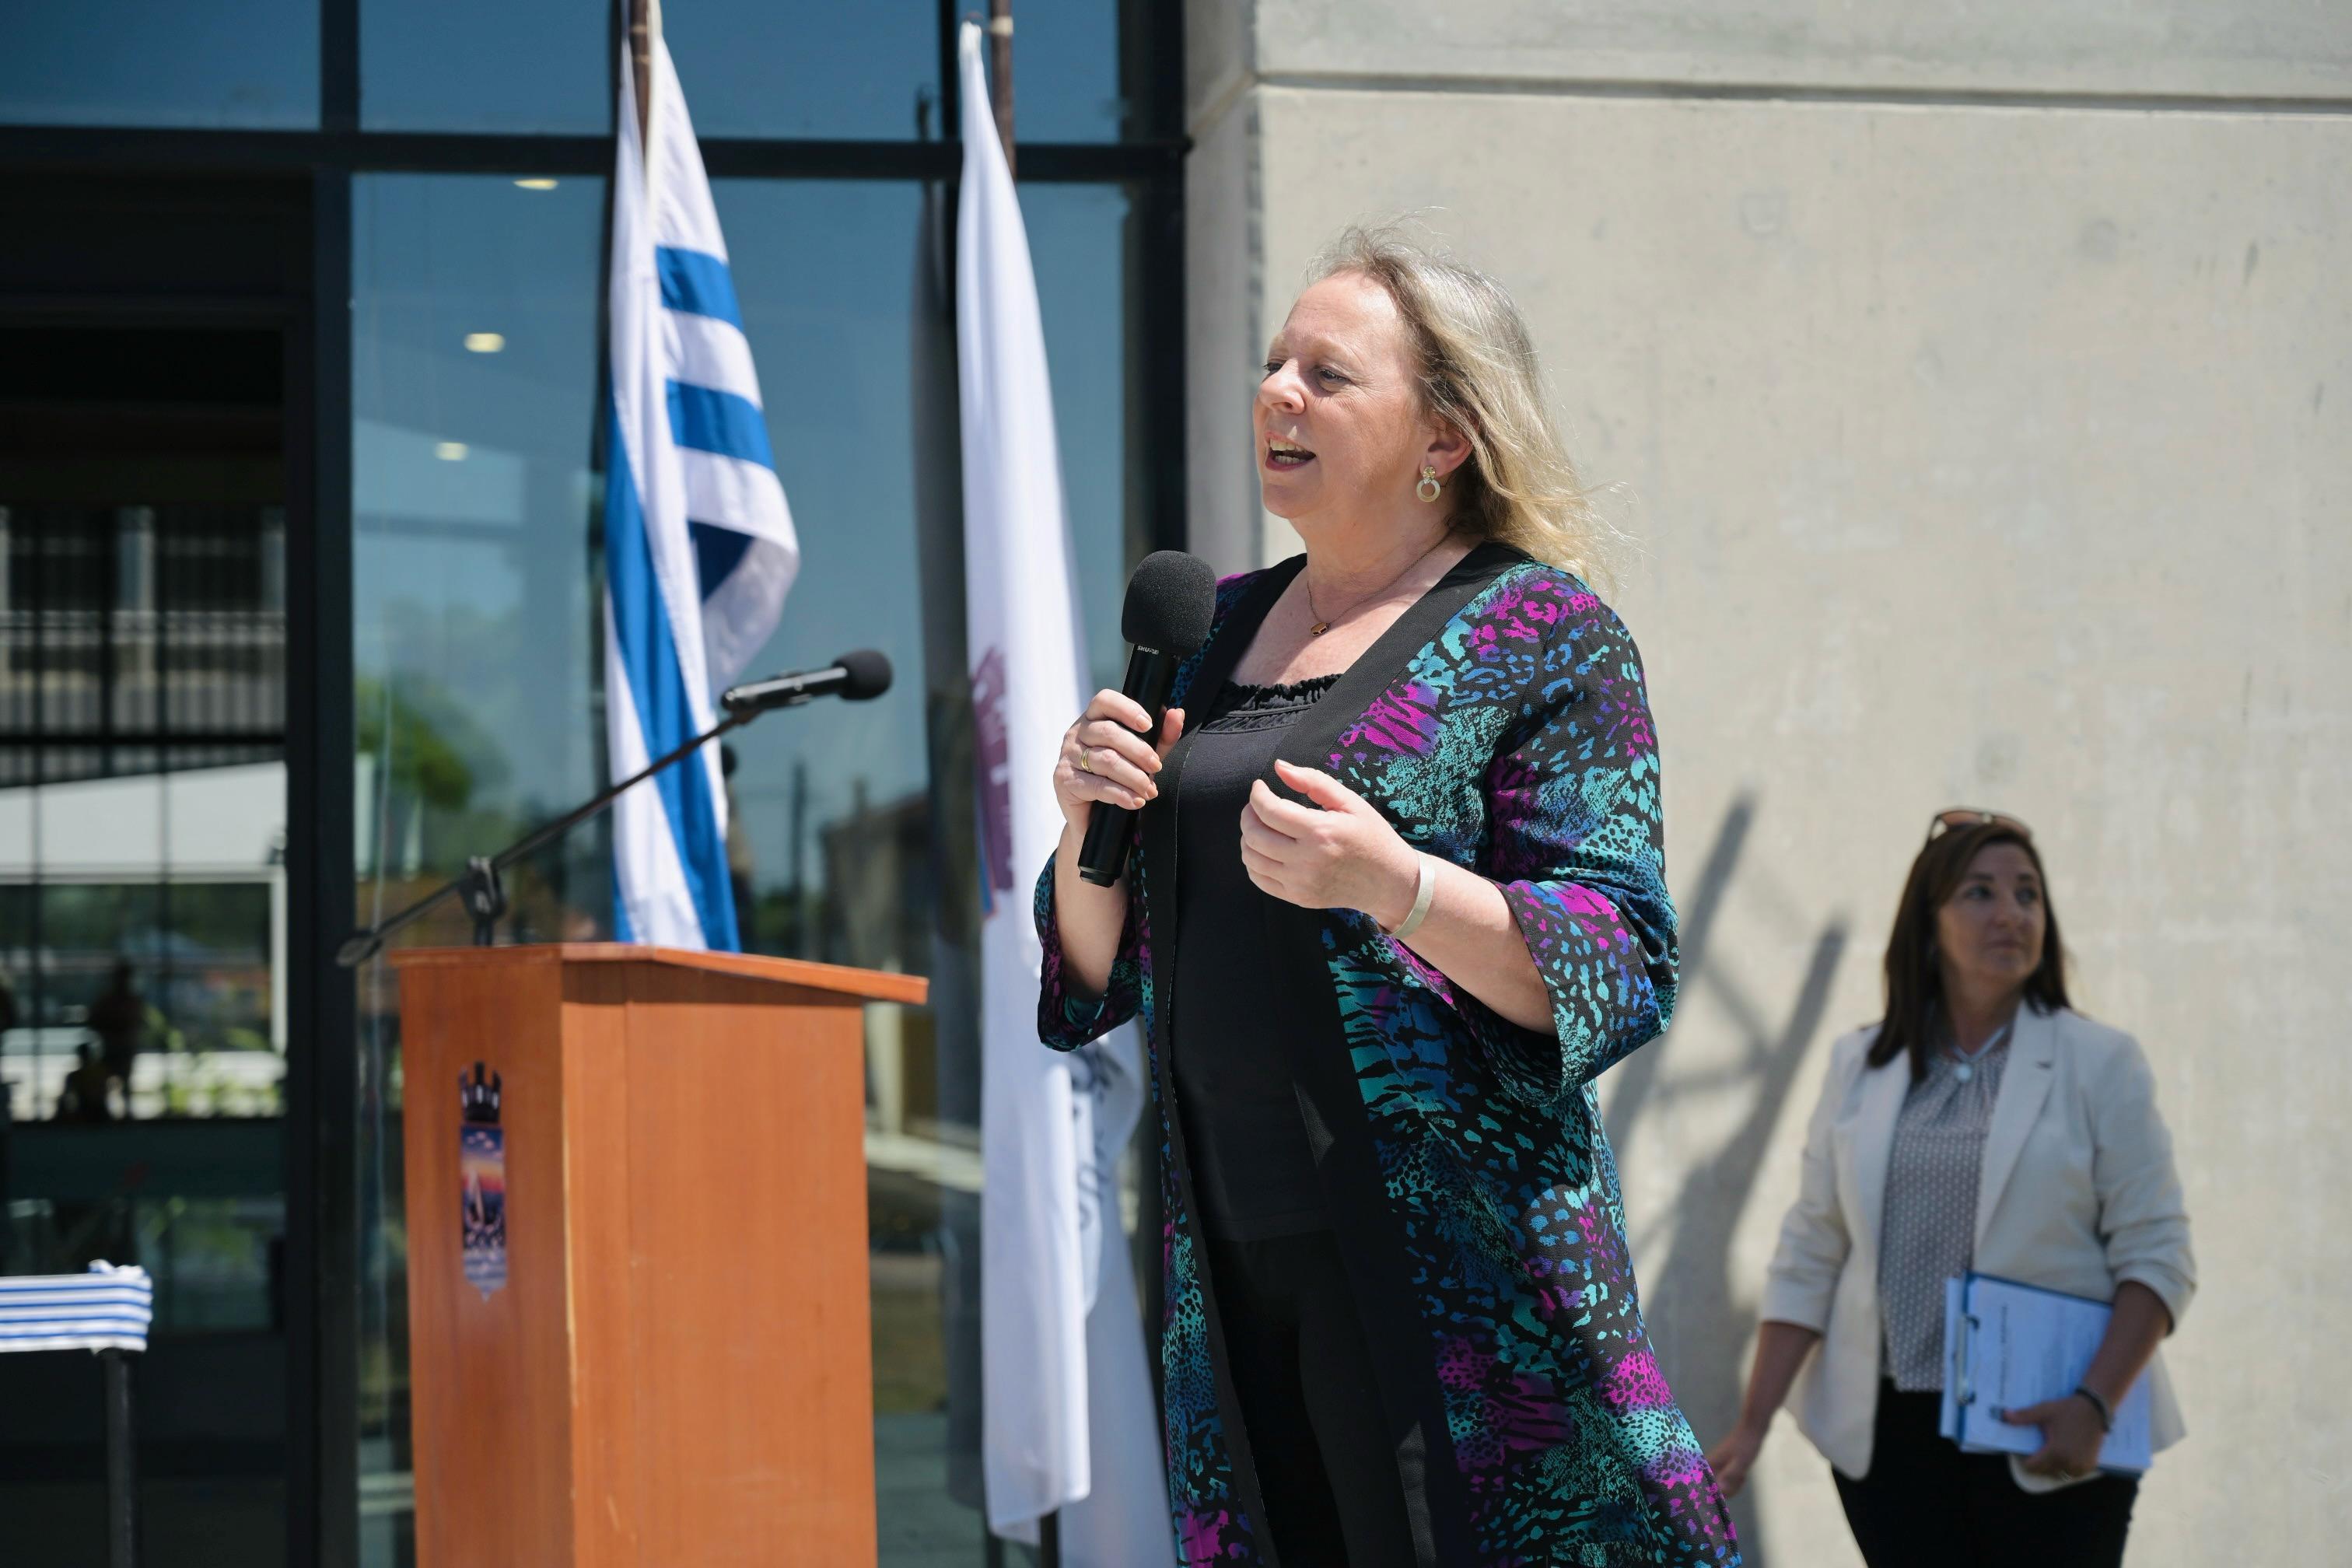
<point x="1428" y="488"/>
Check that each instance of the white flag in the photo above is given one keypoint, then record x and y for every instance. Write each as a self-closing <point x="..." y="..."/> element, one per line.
<point x="698" y="544"/>
<point x="1068" y="1421"/>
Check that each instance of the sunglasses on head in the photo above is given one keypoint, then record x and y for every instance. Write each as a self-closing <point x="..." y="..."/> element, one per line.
<point x="1958" y="817"/>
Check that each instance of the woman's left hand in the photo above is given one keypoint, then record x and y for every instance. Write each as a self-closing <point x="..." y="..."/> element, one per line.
<point x="2071" y="1436"/>
<point x="1338" y="853"/>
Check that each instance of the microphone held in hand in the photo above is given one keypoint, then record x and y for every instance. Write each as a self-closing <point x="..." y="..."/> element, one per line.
<point x="1170" y="601"/>
<point x="854" y="677"/>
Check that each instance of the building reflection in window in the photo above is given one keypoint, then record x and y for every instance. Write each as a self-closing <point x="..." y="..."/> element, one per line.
<point x="143" y="898"/>
<point x="477" y="681"/>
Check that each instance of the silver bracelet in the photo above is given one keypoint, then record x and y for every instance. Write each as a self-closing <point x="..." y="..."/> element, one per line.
<point x="1422" y="895"/>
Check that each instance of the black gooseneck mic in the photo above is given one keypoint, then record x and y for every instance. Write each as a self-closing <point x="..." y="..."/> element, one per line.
<point x="854" y="677"/>
<point x="1170" y="601"/>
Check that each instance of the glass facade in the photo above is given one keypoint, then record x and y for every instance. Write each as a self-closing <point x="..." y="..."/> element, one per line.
<point x="143" y="900"/>
<point x="283" y="582"/>
<point x="750" y="68"/>
<point x="154" y="62"/>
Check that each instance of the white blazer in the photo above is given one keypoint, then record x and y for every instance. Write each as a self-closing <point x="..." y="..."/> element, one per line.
<point x="2078" y="1194"/>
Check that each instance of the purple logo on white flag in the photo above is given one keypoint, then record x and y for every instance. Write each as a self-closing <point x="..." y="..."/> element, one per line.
<point x="992" y="779"/>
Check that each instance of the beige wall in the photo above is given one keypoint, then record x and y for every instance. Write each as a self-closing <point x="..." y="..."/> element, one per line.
<point x="1991" y="448"/>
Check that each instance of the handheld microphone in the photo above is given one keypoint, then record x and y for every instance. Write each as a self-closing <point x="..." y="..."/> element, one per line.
<point x="1170" y="601"/>
<point x="856" y="677"/>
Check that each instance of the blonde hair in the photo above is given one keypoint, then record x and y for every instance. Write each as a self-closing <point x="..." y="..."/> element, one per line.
<point x="1478" y="373"/>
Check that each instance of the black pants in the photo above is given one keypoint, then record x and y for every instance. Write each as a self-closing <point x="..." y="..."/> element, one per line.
<point x="1327" y="1463"/>
<point x="1925" y="1504"/>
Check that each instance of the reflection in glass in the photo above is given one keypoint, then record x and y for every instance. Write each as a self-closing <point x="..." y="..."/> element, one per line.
<point x="136" y="62"/>
<point x="1079" y="244"/>
<point x="1065" y="72"/>
<point x="834" y="804"/>
<point x="471" y="625"/>
<point x="749" y="67"/>
<point x="143" y="899"/>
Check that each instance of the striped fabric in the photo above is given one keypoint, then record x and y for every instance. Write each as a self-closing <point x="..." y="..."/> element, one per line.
<point x="106" y="1309"/>
<point x="700" y="547"/>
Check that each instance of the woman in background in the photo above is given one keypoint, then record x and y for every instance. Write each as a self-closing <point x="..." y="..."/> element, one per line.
<point x="1983" y="1125"/>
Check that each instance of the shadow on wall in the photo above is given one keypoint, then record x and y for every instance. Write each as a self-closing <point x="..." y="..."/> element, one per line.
<point x="1699" y="1322"/>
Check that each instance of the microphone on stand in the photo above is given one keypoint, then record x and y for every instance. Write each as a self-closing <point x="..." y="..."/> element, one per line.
<point x="1170" y="601"/>
<point x="857" y="677"/>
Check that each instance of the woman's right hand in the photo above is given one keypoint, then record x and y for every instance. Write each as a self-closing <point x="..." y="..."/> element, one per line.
<point x="1106" y="757"/>
<point x="1732" y="1459"/>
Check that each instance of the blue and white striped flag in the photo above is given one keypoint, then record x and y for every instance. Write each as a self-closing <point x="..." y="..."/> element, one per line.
<point x="698" y="543"/>
<point x="106" y="1309"/>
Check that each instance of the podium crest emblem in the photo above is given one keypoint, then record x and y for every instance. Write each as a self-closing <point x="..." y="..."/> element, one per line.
<point x="482" y="1180"/>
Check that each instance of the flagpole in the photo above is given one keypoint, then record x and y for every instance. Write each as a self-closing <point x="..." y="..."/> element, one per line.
<point x="643" y="20"/>
<point x="1000" y="75"/>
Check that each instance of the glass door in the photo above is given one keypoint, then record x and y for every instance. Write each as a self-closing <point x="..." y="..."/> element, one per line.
<point x="142" y="916"/>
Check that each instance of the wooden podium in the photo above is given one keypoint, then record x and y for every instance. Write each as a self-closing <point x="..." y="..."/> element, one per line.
<point x="670" y="1363"/>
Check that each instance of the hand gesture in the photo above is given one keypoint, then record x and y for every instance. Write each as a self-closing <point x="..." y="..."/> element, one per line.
<point x="1336" y="853"/>
<point x="1104" y="756"/>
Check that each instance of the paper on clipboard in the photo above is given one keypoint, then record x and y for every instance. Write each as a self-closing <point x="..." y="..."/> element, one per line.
<point x="1947" y="1419"/>
<point x="2013" y="1345"/>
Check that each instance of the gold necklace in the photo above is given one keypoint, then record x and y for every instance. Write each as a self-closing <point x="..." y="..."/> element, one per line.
<point x="1323" y="624"/>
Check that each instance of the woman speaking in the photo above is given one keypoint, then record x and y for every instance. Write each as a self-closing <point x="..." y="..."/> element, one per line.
<point x="1397" y="898"/>
<point x="1982" y="1126"/>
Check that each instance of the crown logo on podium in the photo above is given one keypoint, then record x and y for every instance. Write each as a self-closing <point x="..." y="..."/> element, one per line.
<point x="479" y="1100"/>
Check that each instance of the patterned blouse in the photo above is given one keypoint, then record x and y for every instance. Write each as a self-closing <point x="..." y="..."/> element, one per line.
<point x="1929" y="1233"/>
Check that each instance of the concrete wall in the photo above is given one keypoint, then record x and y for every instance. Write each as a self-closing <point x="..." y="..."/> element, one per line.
<point x="1988" y="447"/>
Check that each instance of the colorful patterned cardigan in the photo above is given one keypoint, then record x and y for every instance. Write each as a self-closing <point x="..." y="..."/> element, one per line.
<point x="1501" y="723"/>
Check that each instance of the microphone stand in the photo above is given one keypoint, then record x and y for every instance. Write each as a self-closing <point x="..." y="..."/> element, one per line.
<point x="480" y="888"/>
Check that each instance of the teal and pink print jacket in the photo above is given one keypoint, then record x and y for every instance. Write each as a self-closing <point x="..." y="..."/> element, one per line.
<point x="1500" y="723"/>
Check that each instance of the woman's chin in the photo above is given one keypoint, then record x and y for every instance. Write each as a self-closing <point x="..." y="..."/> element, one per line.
<point x="1282" y="498"/>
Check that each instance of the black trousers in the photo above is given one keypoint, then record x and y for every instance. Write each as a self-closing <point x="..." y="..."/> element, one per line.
<point x="1327" y="1463"/>
<point x="1925" y="1504"/>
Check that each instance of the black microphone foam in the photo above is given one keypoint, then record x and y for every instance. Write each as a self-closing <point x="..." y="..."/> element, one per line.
<point x="1170" y="601"/>
<point x="868" y="671"/>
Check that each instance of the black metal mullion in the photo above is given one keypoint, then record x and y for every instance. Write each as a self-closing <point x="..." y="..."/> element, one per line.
<point x="1155" y="73"/>
<point x="322" y="1089"/>
<point x="950" y="81"/>
<point x="466" y="152"/>
<point x="339" y="65"/>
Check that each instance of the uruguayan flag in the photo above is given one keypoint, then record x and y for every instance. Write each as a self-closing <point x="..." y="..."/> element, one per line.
<point x="106" y="1309"/>
<point x="698" y="544"/>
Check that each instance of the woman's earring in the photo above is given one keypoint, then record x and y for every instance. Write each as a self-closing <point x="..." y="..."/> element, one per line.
<point x="1428" y="488"/>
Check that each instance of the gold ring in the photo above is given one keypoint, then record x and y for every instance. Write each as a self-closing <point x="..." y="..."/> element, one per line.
<point x="1083" y="763"/>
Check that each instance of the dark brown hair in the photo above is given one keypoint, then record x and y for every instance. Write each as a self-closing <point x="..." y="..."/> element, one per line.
<point x="1914" y="983"/>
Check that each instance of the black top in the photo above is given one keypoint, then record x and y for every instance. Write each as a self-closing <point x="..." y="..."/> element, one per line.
<point x="1243" y="1127"/>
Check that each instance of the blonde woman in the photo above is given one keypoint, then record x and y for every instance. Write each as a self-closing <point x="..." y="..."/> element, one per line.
<point x="1398" y="896"/>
